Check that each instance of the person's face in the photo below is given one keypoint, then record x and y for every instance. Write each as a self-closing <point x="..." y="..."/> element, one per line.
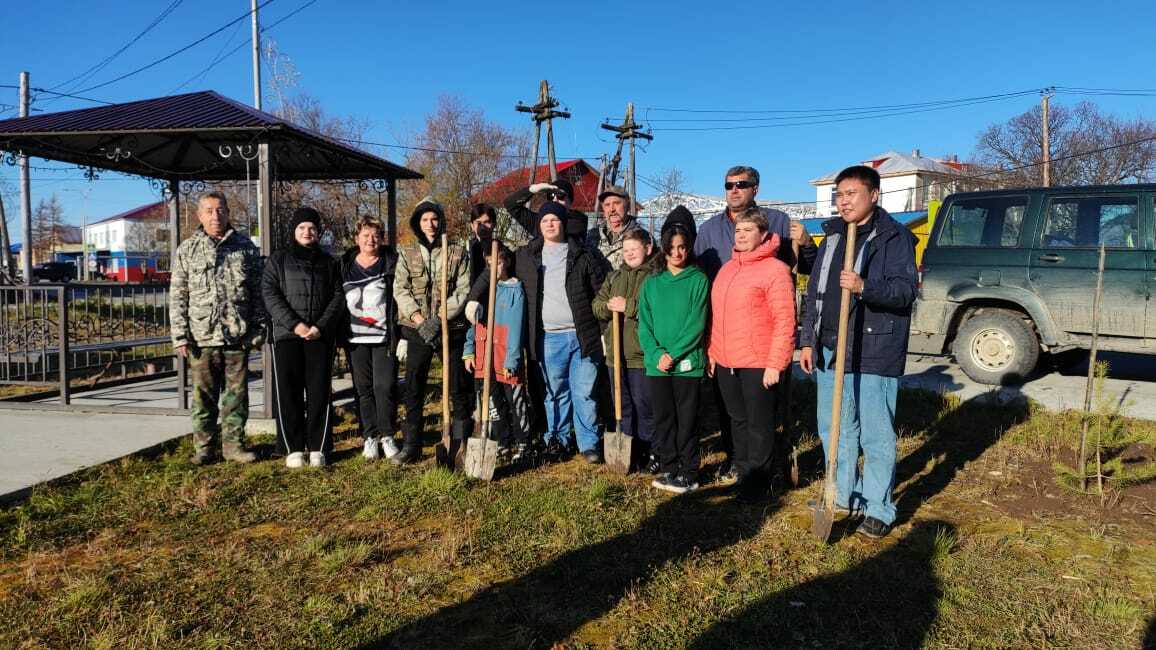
<point x="678" y="252"/>
<point x="855" y="201"/>
<point x="552" y="229"/>
<point x="429" y="225"/>
<point x="742" y="191"/>
<point x="634" y="253"/>
<point x="502" y="271"/>
<point x="747" y="236"/>
<point x="614" y="207"/>
<point x="483" y="227"/>
<point x="305" y="233"/>
<point x="560" y="196"/>
<point x="213" y="215"/>
<point x="368" y="240"/>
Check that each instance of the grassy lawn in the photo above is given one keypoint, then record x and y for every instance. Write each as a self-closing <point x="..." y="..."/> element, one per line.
<point x="991" y="550"/>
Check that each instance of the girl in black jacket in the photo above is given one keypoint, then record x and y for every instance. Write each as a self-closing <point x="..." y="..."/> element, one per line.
<point x="302" y="291"/>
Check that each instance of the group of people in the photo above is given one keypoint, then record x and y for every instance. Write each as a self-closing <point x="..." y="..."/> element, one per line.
<point x="708" y="309"/>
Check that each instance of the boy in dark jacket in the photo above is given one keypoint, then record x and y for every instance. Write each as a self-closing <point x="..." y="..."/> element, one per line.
<point x="561" y="278"/>
<point x="882" y="286"/>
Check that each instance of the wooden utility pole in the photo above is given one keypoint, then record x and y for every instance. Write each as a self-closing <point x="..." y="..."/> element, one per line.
<point x="543" y="111"/>
<point x="1045" y="96"/>
<point x="629" y="130"/>
<point x="25" y="193"/>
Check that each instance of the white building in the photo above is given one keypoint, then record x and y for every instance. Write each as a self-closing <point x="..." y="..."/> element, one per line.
<point x="130" y="246"/>
<point x="907" y="183"/>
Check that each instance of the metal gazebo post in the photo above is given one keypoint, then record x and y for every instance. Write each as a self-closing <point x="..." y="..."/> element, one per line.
<point x="265" y="223"/>
<point x="174" y="201"/>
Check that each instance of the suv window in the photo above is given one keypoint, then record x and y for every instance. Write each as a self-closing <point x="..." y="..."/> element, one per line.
<point x="1086" y="222"/>
<point x="988" y="222"/>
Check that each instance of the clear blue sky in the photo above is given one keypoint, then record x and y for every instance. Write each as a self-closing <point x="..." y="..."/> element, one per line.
<point x="389" y="65"/>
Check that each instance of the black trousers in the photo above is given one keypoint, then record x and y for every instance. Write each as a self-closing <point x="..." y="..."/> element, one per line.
<point x="374" y="369"/>
<point x="726" y="441"/>
<point x="302" y="372"/>
<point x="753" y="419"/>
<point x="417" y="365"/>
<point x="674" y="401"/>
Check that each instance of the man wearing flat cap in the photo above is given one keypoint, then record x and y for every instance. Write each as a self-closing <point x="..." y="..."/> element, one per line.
<point x="606" y="236"/>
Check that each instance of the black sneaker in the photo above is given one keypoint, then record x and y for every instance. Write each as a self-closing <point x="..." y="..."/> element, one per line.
<point x="592" y="456"/>
<point x="675" y="484"/>
<point x="873" y="528"/>
<point x="406" y="456"/>
<point x="555" y="453"/>
<point x="521" y="453"/>
<point x="652" y="465"/>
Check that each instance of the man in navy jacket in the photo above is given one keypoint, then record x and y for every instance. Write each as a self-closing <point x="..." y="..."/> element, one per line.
<point x="882" y="286"/>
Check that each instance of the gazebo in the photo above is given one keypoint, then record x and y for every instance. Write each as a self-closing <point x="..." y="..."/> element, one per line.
<point x="183" y="140"/>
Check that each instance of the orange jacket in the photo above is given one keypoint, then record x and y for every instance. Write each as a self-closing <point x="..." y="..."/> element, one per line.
<point x="753" y="310"/>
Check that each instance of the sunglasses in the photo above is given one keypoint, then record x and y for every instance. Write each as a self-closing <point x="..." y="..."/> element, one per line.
<point x="740" y="185"/>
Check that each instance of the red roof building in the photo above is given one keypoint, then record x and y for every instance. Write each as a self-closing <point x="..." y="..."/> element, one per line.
<point x="581" y="175"/>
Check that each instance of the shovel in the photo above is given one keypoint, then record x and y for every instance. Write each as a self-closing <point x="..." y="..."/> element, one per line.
<point x="823" y="516"/>
<point x="616" y="446"/>
<point x="482" y="451"/>
<point x="447" y="448"/>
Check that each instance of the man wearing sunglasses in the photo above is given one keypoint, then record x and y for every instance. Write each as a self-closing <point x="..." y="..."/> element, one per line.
<point x="713" y="248"/>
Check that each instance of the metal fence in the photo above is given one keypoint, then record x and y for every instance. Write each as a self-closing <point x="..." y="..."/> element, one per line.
<point x="56" y="335"/>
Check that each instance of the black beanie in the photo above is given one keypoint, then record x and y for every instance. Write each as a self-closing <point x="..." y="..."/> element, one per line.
<point x="554" y="208"/>
<point x="303" y="215"/>
<point x="682" y="218"/>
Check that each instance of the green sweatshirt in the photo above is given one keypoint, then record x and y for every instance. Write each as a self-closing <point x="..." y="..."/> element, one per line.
<point x="672" y="320"/>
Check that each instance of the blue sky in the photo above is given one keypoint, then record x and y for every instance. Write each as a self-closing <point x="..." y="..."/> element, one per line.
<point x="387" y="63"/>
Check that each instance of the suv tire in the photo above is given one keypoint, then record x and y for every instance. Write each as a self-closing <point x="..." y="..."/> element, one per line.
<point x="996" y="347"/>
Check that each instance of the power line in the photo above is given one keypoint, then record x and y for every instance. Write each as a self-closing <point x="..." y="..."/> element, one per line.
<point x="220" y="59"/>
<point x="882" y="107"/>
<point x="175" y="53"/>
<point x="104" y="63"/>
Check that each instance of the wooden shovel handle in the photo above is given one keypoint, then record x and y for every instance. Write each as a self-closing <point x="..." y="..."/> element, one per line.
<point x="488" y="355"/>
<point x="442" y="314"/>
<point x="840" y="367"/>
<point x="617" y="349"/>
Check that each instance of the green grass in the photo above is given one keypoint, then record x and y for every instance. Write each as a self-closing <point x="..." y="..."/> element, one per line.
<point x="154" y="553"/>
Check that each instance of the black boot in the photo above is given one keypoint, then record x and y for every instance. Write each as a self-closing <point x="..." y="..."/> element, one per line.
<point x="408" y="455"/>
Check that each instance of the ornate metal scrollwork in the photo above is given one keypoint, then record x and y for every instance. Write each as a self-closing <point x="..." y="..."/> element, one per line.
<point x="377" y="185"/>
<point x="192" y="187"/>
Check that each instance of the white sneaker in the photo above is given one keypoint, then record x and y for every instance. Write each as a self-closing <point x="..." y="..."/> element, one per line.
<point x="295" y="460"/>
<point x="316" y="459"/>
<point x="371" y="451"/>
<point x="388" y="447"/>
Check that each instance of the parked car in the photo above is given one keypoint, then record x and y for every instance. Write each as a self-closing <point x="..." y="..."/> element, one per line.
<point x="1009" y="274"/>
<point x="54" y="272"/>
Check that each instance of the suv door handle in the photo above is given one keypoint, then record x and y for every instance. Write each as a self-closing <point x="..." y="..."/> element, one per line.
<point x="1051" y="257"/>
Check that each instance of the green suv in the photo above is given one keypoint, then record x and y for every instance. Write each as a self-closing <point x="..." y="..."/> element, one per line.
<point x="1010" y="273"/>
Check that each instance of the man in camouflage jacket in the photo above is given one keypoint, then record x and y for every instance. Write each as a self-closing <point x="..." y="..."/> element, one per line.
<point x="606" y="236"/>
<point x="216" y="317"/>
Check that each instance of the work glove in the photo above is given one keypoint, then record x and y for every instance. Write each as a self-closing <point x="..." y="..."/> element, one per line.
<point x="257" y="337"/>
<point x="428" y="330"/>
<point x="538" y="187"/>
<point x="402" y="350"/>
<point x="472" y="308"/>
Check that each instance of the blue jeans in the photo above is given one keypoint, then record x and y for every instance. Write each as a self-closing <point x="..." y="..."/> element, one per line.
<point x="569" y="390"/>
<point x="867" y="424"/>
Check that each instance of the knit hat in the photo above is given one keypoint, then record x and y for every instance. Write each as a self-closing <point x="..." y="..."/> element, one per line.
<point x="554" y="208"/>
<point x="576" y="224"/>
<point x="681" y="218"/>
<point x="304" y="215"/>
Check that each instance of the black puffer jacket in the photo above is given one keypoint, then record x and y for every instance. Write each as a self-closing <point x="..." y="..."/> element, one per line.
<point x="584" y="276"/>
<point x="303" y="285"/>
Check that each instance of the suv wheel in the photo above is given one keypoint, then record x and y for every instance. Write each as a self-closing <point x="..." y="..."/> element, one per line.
<point x="996" y="347"/>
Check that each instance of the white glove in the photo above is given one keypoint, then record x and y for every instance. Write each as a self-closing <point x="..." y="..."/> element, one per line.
<point x="402" y="349"/>
<point x="538" y="187"/>
<point x="472" y="308"/>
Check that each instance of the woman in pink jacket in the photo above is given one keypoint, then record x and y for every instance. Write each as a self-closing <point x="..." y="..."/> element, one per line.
<point x="752" y="340"/>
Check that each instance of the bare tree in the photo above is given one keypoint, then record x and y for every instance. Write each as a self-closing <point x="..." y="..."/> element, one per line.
<point x="671" y="181"/>
<point x="47" y="225"/>
<point x="1088" y="147"/>
<point x="459" y="152"/>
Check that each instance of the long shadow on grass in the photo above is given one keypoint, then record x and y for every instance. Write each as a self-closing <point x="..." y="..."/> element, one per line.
<point x="1150" y="635"/>
<point x="548" y="604"/>
<point x="956" y="436"/>
<point x="887" y="601"/>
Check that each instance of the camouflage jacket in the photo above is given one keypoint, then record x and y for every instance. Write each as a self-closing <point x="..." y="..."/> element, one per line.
<point x="215" y="292"/>
<point x="417" y="283"/>
<point x="607" y="244"/>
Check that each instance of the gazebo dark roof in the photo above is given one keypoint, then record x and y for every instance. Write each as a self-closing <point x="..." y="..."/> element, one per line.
<point x="187" y="137"/>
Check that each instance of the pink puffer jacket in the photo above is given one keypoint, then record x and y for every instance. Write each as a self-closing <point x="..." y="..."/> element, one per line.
<point x="753" y="310"/>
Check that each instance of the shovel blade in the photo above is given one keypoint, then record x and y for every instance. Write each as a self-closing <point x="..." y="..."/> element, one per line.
<point x="822" y="520"/>
<point x="481" y="458"/>
<point x="617" y="447"/>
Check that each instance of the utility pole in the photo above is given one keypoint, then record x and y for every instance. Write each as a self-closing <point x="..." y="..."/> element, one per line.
<point x="1045" y="96"/>
<point x="25" y="193"/>
<point x="544" y="111"/>
<point x="629" y="130"/>
<point x="264" y="203"/>
<point x="256" y="57"/>
<point x="9" y="273"/>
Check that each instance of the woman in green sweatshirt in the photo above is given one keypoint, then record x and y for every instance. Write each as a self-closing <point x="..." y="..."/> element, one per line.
<point x="672" y="310"/>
